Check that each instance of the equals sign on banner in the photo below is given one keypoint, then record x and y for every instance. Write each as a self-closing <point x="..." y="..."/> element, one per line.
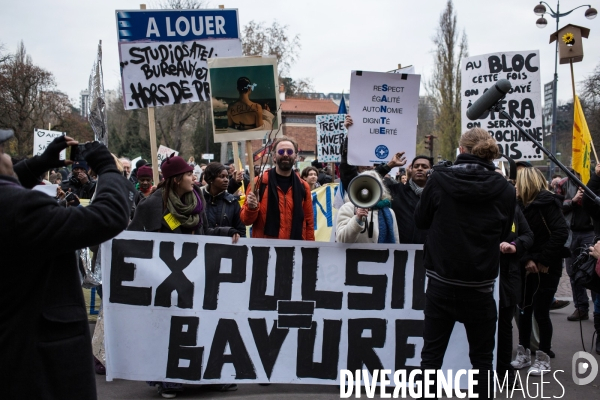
<point x="295" y="314"/>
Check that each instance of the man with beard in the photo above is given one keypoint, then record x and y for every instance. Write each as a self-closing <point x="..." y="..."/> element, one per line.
<point x="292" y="215"/>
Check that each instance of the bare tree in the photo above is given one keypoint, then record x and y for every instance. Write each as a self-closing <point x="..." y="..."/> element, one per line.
<point x="261" y="40"/>
<point x="444" y="86"/>
<point x="28" y="98"/>
<point x="182" y="4"/>
<point x="590" y="102"/>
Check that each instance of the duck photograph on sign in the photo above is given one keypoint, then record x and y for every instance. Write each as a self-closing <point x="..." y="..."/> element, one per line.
<point x="245" y="97"/>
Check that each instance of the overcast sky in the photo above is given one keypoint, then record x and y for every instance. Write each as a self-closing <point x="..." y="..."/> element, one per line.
<point x="336" y="36"/>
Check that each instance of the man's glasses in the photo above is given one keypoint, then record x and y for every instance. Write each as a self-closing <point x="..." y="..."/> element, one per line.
<point x="288" y="152"/>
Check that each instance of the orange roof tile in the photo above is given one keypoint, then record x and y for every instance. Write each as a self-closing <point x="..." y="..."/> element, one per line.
<point x="308" y="106"/>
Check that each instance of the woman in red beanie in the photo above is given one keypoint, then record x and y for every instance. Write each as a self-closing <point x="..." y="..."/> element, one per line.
<point x="176" y="207"/>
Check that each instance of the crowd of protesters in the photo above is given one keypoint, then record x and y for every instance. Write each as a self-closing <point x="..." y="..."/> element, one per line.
<point x="474" y="223"/>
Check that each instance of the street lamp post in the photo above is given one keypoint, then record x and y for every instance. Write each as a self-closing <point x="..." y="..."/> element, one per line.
<point x="540" y="10"/>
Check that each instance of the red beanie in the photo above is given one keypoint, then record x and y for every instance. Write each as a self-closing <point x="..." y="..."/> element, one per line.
<point x="174" y="166"/>
<point x="144" y="172"/>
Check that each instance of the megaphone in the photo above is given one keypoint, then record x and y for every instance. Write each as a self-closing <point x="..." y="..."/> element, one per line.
<point x="364" y="191"/>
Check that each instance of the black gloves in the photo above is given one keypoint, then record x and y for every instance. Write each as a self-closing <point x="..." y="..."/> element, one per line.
<point x="50" y="158"/>
<point x="99" y="158"/>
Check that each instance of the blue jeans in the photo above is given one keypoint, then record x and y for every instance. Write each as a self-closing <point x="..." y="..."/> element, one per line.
<point x="447" y="304"/>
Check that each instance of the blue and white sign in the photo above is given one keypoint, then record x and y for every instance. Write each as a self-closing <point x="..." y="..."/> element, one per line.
<point x="163" y="53"/>
<point x="384" y="112"/>
<point x="177" y="25"/>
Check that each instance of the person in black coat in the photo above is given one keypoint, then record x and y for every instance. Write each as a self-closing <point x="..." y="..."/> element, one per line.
<point x="543" y="265"/>
<point x="44" y="332"/>
<point x="519" y="240"/>
<point x="222" y="209"/>
<point x="469" y="210"/>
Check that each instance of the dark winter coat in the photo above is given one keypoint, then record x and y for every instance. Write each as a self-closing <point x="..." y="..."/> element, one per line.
<point x="45" y="342"/>
<point x="578" y="219"/>
<point x="510" y="267"/>
<point x="550" y="231"/>
<point x="149" y="217"/>
<point x="223" y="210"/>
<point x="469" y="210"/>
<point x="590" y="206"/>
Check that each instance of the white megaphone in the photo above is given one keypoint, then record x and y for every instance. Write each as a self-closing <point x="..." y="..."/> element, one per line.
<point x="364" y="191"/>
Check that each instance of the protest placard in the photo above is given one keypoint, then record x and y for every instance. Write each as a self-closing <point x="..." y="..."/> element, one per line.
<point x="384" y="112"/>
<point x="245" y="98"/>
<point x="523" y="102"/>
<point x="164" y="152"/>
<point x="42" y="138"/>
<point x="163" y="53"/>
<point x="331" y="133"/>
<point x="265" y="311"/>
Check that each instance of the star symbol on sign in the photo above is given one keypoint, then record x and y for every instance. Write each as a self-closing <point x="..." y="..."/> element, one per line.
<point x="381" y="152"/>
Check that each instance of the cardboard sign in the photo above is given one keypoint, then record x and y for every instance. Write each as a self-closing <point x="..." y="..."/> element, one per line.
<point x="262" y="311"/>
<point x="164" y="152"/>
<point x="42" y="138"/>
<point x="384" y="112"/>
<point x="164" y="53"/>
<point x="523" y="103"/>
<point x="331" y="133"/>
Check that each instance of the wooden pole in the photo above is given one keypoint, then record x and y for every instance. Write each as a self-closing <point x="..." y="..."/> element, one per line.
<point x="573" y="85"/>
<point x="236" y="154"/>
<point x="152" y="129"/>
<point x="250" y="163"/>
<point x="153" y="148"/>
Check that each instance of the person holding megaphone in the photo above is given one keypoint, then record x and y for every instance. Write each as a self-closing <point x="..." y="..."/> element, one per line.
<point x="366" y="217"/>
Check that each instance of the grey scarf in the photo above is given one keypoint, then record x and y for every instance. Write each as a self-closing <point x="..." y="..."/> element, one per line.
<point x="416" y="188"/>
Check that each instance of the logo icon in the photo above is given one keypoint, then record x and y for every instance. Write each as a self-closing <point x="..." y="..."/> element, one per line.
<point x="381" y="152"/>
<point x="580" y="367"/>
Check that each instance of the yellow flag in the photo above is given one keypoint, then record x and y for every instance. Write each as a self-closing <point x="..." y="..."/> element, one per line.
<point x="582" y="143"/>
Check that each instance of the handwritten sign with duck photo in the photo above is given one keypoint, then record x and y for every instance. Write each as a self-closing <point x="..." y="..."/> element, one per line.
<point x="245" y="98"/>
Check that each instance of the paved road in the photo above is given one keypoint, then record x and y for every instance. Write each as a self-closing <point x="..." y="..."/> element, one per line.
<point x="566" y="342"/>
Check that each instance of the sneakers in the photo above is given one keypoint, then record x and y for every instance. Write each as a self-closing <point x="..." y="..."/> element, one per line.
<point x="168" y="392"/>
<point x="541" y="364"/>
<point x="558" y="304"/>
<point x="98" y="367"/>
<point x="523" y="358"/>
<point x="578" y="315"/>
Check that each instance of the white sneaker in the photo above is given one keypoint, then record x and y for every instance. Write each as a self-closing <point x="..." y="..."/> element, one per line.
<point x="541" y="364"/>
<point x="523" y="358"/>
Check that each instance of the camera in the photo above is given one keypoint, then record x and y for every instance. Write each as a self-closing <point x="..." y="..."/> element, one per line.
<point x="69" y="197"/>
<point x="78" y="152"/>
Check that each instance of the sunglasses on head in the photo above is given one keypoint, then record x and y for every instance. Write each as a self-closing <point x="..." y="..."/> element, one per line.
<point x="287" y="152"/>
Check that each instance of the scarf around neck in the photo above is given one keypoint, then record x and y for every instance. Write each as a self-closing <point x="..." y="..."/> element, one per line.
<point x="273" y="220"/>
<point x="187" y="211"/>
<point x="386" y="222"/>
<point x="416" y="188"/>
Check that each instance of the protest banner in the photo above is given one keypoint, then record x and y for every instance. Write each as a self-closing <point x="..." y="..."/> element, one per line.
<point x="164" y="152"/>
<point x="42" y="138"/>
<point x="164" y="53"/>
<point x="331" y="133"/>
<point x="198" y="309"/>
<point x="323" y="211"/>
<point x="245" y="98"/>
<point x="523" y="102"/>
<point x="384" y="111"/>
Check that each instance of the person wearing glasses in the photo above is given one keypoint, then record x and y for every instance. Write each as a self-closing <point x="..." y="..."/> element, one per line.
<point x="292" y="218"/>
